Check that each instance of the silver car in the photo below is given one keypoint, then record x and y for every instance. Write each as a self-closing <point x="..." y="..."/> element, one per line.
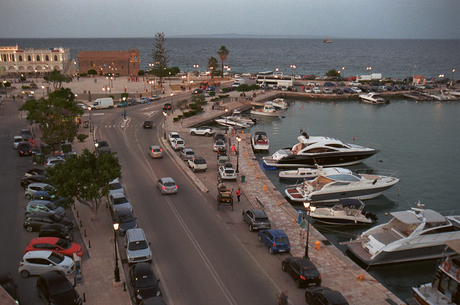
<point x="187" y="154"/>
<point x="44" y="206"/>
<point x="155" y="151"/>
<point x="35" y="187"/>
<point x="118" y="201"/>
<point x="38" y="262"/>
<point x="16" y="141"/>
<point x="167" y="185"/>
<point x="137" y="247"/>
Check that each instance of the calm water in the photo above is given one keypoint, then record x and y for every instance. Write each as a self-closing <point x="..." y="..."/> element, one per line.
<point x="392" y="58"/>
<point x="420" y="140"/>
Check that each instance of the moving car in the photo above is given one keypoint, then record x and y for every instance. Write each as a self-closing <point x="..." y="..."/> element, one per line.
<point x="167" y="185"/>
<point x="16" y="141"/>
<point x="227" y="172"/>
<point x="38" y="262"/>
<point x="126" y="220"/>
<point x="202" y="131"/>
<point x="256" y="219"/>
<point x="302" y="270"/>
<point x="137" y="247"/>
<point x="155" y="151"/>
<point x="167" y="107"/>
<point x="187" y="154"/>
<point x="55" y="230"/>
<point x="197" y="164"/>
<point x="197" y="91"/>
<point x="118" y="201"/>
<point x="276" y="240"/>
<point x="24" y="149"/>
<point x="55" y="288"/>
<point x="317" y="295"/>
<point x="102" y="146"/>
<point x="54" y="244"/>
<point x="144" y="282"/>
<point x="147" y="124"/>
<point x="33" y="222"/>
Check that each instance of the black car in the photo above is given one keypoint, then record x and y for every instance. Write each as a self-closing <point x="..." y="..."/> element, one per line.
<point x="32" y="179"/>
<point x="6" y="281"/>
<point x="34" y="221"/>
<point x="167" y="107"/>
<point x="35" y="171"/>
<point x="256" y="220"/>
<point x="144" y="282"/>
<point x="219" y="136"/>
<point x="132" y="102"/>
<point x="24" y="149"/>
<point x="317" y="295"/>
<point x="102" y="146"/>
<point x="337" y="91"/>
<point x="26" y="134"/>
<point x="55" y="230"/>
<point x="197" y="91"/>
<point x="54" y="288"/>
<point x="147" y="124"/>
<point x="302" y="270"/>
<point x="126" y="220"/>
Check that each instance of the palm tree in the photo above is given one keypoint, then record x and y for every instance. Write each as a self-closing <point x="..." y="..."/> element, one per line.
<point x="212" y="65"/>
<point x="223" y="54"/>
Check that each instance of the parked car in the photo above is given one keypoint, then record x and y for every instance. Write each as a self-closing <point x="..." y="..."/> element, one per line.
<point x="187" y="154"/>
<point x="197" y="164"/>
<point x="302" y="270"/>
<point x="327" y="91"/>
<point x="167" y="185"/>
<point x="7" y="283"/>
<point x="46" y="196"/>
<point x="337" y="91"/>
<point x="16" y="141"/>
<point x="308" y="90"/>
<point x="147" y="124"/>
<point x="115" y="186"/>
<point x="219" y="136"/>
<point x="316" y="90"/>
<point x="178" y="144"/>
<point x="43" y="206"/>
<point x="39" y="262"/>
<point x="55" y="288"/>
<point x="219" y="144"/>
<point x="167" y="107"/>
<point x="210" y="88"/>
<point x="173" y="135"/>
<point x="33" y="222"/>
<point x="54" y="244"/>
<point x="32" y="179"/>
<point x="256" y="220"/>
<point x="51" y="162"/>
<point x="155" y="98"/>
<point x="329" y="84"/>
<point x="137" y="247"/>
<point x="144" y="282"/>
<point x="125" y="219"/>
<point x="317" y="295"/>
<point x="32" y="188"/>
<point x="143" y="100"/>
<point x="347" y="90"/>
<point x="131" y="102"/>
<point x="55" y="230"/>
<point x="197" y="91"/>
<point x="26" y="134"/>
<point x="155" y="151"/>
<point x="35" y="171"/>
<point x="227" y="172"/>
<point x="24" y="149"/>
<point x="356" y="90"/>
<point x="276" y="240"/>
<point x="102" y="146"/>
<point x="118" y="201"/>
<point x="222" y="160"/>
<point x="202" y="131"/>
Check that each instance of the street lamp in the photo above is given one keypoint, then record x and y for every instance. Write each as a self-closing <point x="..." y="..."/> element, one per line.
<point x="117" y="271"/>
<point x="226" y="110"/>
<point x="343" y="73"/>
<point x="170" y="79"/>
<point x="43" y="88"/>
<point x="228" y="71"/>
<point x="164" y="124"/>
<point x="440" y="81"/>
<point x="105" y="89"/>
<point x="293" y="67"/>
<point x="453" y="71"/>
<point x="369" y="68"/>
<point x="238" y="153"/>
<point x="310" y="209"/>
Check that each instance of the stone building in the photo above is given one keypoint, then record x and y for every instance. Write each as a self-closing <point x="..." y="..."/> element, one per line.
<point x="15" y="61"/>
<point x="123" y="63"/>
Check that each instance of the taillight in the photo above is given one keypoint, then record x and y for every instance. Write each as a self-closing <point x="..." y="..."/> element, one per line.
<point x="175" y="186"/>
<point x="161" y="150"/>
<point x="274" y="245"/>
<point x="302" y="277"/>
<point x="163" y="187"/>
<point x="319" y="276"/>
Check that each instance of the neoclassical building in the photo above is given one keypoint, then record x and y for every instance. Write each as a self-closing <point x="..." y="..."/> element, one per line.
<point x="123" y="63"/>
<point x="15" y="61"/>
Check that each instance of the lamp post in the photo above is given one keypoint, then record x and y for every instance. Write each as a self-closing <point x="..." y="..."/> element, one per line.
<point x="117" y="270"/>
<point x="440" y="81"/>
<point x="228" y="71"/>
<point x="43" y="88"/>
<point x="238" y="154"/>
<point x="343" y="73"/>
<point x="164" y="124"/>
<point x="453" y="71"/>
<point x="226" y="125"/>
<point x="76" y="98"/>
<point x="369" y="68"/>
<point x="292" y="69"/>
<point x="310" y="209"/>
<point x="103" y="89"/>
<point x="151" y="92"/>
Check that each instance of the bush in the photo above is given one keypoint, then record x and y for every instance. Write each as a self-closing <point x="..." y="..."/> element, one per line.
<point x="83" y="74"/>
<point x="126" y="95"/>
<point x="212" y="93"/>
<point x="225" y="90"/>
<point x="92" y="72"/>
<point x="112" y="96"/>
<point x="25" y="87"/>
<point x="81" y="137"/>
<point x="141" y="72"/>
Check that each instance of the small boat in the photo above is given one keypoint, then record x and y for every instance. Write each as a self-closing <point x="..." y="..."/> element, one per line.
<point x="241" y="119"/>
<point x="319" y="150"/>
<point x="260" y="141"/>
<point x="227" y="122"/>
<point x="280" y="103"/>
<point x="447" y="275"/>
<point x="302" y="173"/>
<point x="415" y="234"/>
<point x="374" y="98"/>
<point x="327" y="40"/>
<point x="267" y="110"/>
<point x="346" y="212"/>
<point x="340" y="183"/>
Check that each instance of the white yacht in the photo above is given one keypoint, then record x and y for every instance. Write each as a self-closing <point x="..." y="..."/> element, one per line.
<point x="228" y="122"/>
<point x="411" y="235"/>
<point x="346" y="212"/>
<point x="280" y="103"/>
<point x="373" y="98"/>
<point x="267" y="110"/>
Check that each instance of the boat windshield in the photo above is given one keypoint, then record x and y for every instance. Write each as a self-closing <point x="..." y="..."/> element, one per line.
<point x="345" y="177"/>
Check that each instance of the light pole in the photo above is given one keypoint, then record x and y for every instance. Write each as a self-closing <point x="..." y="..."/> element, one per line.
<point x="170" y="80"/>
<point x="164" y="124"/>
<point x="453" y="71"/>
<point x="440" y="81"/>
<point x="103" y="89"/>
<point x="310" y="209"/>
<point x="43" y="88"/>
<point x="369" y="68"/>
<point x="238" y="154"/>
<point x="343" y="73"/>
<point x="292" y="68"/>
<point x="117" y="271"/>
<point x="151" y="92"/>
<point x="228" y="71"/>
<point x="226" y="125"/>
<point x="76" y="98"/>
<point x="172" y="102"/>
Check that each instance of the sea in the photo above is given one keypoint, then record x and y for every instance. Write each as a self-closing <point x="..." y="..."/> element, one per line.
<point x="418" y="141"/>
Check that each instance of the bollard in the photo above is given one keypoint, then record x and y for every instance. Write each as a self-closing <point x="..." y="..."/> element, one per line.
<point x="318" y="245"/>
<point x="361" y="277"/>
<point x="265" y="188"/>
<point x="89" y="244"/>
<point x="245" y="156"/>
<point x="84" y="297"/>
<point x="124" y="286"/>
<point x="257" y="176"/>
<point x="77" y="214"/>
<point x="81" y="224"/>
<point x="85" y="232"/>
<point x="242" y="131"/>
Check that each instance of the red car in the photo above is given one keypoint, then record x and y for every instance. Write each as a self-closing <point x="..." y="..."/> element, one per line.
<point x="54" y="244"/>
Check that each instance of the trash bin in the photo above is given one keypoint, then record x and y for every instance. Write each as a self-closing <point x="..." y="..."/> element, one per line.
<point x="243" y="178"/>
<point x="85" y="124"/>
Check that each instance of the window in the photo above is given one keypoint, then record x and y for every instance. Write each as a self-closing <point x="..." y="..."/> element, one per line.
<point x="47" y="58"/>
<point x="29" y="58"/>
<point x="20" y="57"/>
<point x="55" y="58"/>
<point x="38" y="57"/>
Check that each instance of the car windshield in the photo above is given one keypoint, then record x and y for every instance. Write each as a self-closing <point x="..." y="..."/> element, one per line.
<point x="115" y="186"/>
<point x="102" y="144"/>
<point x="126" y="218"/>
<point x="170" y="184"/>
<point x="56" y="258"/>
<point x="120" y="200"/>
<point x="24" y="145"/>
<point x="63" y="243"/>
<point x="146" y="281"/>
<point x="281" y="240"/>
<point x="200" y="161"/>
<point x="261" y="219"/>
<point x="190" y="153"/>
<point x="138" y="245"/>
<point x="60" y="287"/>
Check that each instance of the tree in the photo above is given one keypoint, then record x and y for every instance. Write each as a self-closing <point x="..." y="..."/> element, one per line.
<point x="56" y="115"/>
<point x="57" y="79"/>
<point x="212" y="65"/>
<point x="85" y="178"/>
<point x="5" y="84"/>
<point x="223" y="54"/>
<point x="160" y="57"/>
<point x="333" y="73"/>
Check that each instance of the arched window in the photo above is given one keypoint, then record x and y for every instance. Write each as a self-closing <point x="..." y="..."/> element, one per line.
<point x="47" y="58"/>
<point x="55" y="58"/>
<point x="29" y="58"/>
<point x="38" y="57"/>
<point x="20" y="57"/>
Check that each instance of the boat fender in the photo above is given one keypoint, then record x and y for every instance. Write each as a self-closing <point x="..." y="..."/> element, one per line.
<point x="458" y="276"/>
<point x="446" y="266"/>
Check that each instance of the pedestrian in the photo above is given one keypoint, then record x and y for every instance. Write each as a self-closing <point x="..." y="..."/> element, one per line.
<point x="14" y="98"/>
<point x="233" y="149"/>
<point x="238" y="194"/>
<point x="282" y="298"/>
<point x="303" y="227"/>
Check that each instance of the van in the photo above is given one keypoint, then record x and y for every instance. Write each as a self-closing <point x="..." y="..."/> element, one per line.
<point x="137" y="247"/>
<point x="238" y="81"/>
<point x="102" y="103"/>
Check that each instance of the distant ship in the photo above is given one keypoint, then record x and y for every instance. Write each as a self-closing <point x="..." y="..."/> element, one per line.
<point x="327" y="40"/>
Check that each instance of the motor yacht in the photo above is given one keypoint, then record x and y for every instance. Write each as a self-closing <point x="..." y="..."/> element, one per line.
<point x="280" y="103"/>
<point x="228" y="122"/>
<point x="346" y="212"/>
<point x="267" y="110"/>
<point x="373" y="98"/>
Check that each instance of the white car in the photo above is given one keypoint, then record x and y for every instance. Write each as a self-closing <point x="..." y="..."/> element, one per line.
<point x="219" y="145"/>
<point x="173" y="135"/>
<point x="118" y="201"/>
<point x="38" y="262"/>
<point x="16" y="141"/>
<point x="316" y="90"/>
<point x="202" y="131"/>
<point x="178" y="144"/>
<point x="35" y="187"/>
<point x="198" y="164"/>
<point x="356" y="90"/>
<point x="115" y="187"/>
<point x="353" y="83"/>
<point x="137" y="247"/>
<point x="308" y="90"/>
<point x="51" y="162"/>
<point x="227" y="172"/>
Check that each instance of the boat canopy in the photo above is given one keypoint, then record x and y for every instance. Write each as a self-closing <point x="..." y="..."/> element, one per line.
<point x="348" y="202"/>
<point x="416" y="216"/>
<point x="454" y="245"/>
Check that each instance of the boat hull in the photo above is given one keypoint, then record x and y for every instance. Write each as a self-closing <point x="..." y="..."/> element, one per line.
<point x="341" y="221"/>
<point x="262" y="113"/>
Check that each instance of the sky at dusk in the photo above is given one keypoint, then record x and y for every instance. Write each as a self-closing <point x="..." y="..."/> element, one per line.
<point x="398" y="19"/>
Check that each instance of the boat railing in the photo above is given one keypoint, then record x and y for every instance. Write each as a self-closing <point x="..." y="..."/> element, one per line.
<point x="389" y="173"/>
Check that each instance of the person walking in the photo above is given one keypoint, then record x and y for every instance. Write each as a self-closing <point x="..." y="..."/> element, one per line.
<point x="303" y="227"/>
<point x="282" y="299"/>
<point x="238" y="194"/>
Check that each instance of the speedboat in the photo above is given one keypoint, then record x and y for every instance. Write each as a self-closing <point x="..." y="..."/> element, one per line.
<point x="319" y="150"/>
<point x="339" y="184"/>
<point x="241" y="119"/>
<point x="302" y="173"/>
<point x="228" y="122"/>
<point x="260" y="141"/>
<point x="267" y="110"/>
<point x="373" y="98"/>
<point x="346" y="212"/>
<point x="280" y="103"/>
<point x="447" y="275"/>
<point x="415" y="234"/>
